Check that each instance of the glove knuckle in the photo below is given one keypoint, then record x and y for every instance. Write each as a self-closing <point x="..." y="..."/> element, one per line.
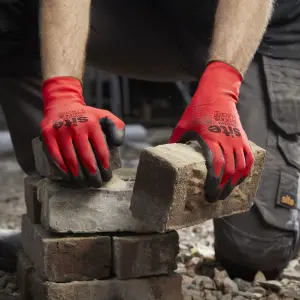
<point x="46" y="130"/>
<point x="229" y="172"/>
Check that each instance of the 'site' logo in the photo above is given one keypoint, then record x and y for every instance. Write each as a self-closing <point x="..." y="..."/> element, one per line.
<point x="70" y="122"/>
<point x="287" y="200"/>
<point x="227" y="130"/>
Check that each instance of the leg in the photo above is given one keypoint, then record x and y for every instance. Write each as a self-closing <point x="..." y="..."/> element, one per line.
<point x="23" y="109"/>
<point x="263" y="238"/>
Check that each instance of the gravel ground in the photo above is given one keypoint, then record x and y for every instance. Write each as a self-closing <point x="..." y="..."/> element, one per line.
<point x="203" y="278"/>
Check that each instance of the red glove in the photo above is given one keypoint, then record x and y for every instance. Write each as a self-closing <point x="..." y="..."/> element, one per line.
<point x="77" y="136"/>
<point x="213" y="120"/>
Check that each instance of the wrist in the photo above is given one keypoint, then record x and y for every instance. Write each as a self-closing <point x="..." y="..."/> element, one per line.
<point x="62" y="89"/>
<point x="224" y="68"/>
<point x="218" y="79"/>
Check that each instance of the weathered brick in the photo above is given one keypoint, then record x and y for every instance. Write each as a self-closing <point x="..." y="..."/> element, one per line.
<point x="63" y="259"/>
<point x="45" y="168"/>
<point x="33" y="206"/>
<point x="24" y="271"/>
<point x="88" y="210"/>
<point x="151" y="288"/>
<point x="145" y="255"/>
<point x="168" y="191"/>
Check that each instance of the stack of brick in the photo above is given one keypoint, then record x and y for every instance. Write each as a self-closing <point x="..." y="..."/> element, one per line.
<point x="84" y="244"/>
<point x="118" y="242"/>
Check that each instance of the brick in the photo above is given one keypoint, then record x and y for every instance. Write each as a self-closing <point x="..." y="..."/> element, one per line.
<point x="33" y="206"/>
<point x="168" y="191"/>
<point x="145" y="255"/>
<point x="46" y="169"/>
<point x="151" y="288"/>
<point x="24" y="271"/>
<point x="63" y="259"/>
<point x="106" y="209"/>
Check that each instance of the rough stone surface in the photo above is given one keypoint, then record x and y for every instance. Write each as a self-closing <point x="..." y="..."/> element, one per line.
<point x="45" y="168"/>
<point x="127" y="174"/>
<point x="230" y="287"/>
<point x="88" y="210"/>
<point x="145" y="255"/>
<point x="272" y="285"/>
<point x="151" y="288"/>
<point x="33" y="206"/>
<point x="63" y="259"/>
<point x="168" y="191"/>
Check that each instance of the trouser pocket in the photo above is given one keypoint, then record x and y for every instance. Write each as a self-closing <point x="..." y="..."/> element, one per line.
<point x="278" y="195"/>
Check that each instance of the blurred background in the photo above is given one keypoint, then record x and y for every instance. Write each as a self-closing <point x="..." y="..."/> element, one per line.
<point x="149" y="109"/>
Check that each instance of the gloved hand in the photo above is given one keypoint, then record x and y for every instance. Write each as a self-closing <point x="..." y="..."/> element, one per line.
<point x="212" y="119"/>
<point x="76" y="136"/>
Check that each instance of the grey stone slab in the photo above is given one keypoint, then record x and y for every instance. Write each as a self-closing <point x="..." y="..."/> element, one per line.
<point x="66" y="209"/>
<point x="169" y="188"/>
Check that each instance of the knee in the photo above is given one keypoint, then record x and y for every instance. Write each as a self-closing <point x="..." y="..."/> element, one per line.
<point x="24" y="155"/>
<point x="245" y="244"/>
<point x="26" y="163"/>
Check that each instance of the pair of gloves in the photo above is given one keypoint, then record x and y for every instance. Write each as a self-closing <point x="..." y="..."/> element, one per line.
<point x="77" y="137"/>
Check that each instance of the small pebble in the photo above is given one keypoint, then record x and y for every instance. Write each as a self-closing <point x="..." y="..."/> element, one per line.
<point x="291" y="292"/>
<point x="291" y="275"/>
<point x="239" y="298"/>
<point x="272" y="297"/>
<point x="229" y="286"/>
<point x="210" y="297"/>
<point x="208" y="284"/>
<point x="242" y="284"/>
<point x="259" y="277"/>
<point x="3" y="281"/>
<point x="217" y="294"/>
<point x="219" y="277"/>
<point x="11" y="285"/>
<point x="257" y="290"/>
<point x="273" y="285"/>
<point x="226" y="297"/>
<point x="8" y="290"/>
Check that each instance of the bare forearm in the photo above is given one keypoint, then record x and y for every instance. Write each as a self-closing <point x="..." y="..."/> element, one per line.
<point x="239" y="28"/>
<point x="64" y="27"/>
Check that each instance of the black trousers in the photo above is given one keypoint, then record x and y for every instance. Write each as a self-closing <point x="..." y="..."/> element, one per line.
<point x="163" y="42"/>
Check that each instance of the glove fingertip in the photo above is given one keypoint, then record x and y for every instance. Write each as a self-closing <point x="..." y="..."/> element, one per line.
<point x="226" y="191"/>
<point x="106" y="174"/>
<point x="117" y="136"/>
<point x="95" y="180"/>
<point x="114" y="135"/>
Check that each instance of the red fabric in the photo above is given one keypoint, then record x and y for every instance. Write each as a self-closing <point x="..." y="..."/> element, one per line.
<point x="69" y="124"/>
<point x="212" y="114"/>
